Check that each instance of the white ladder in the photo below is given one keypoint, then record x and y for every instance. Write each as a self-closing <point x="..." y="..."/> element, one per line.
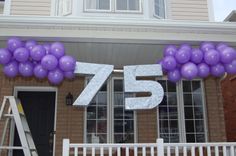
<point x="15" y="112"/>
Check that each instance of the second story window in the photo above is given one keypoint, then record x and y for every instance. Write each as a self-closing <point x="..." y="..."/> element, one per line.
<point x="159" y="7"/>
<point x="113" y="5"/>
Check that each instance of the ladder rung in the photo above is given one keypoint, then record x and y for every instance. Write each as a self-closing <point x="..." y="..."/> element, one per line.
<point x="8" y="115"/>
<point x="12" y="147"/>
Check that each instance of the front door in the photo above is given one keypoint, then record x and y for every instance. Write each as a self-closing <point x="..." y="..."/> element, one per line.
<point x="39" y="108"/>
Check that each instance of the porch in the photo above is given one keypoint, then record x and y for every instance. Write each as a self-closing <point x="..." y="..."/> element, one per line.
<point x="159" y="148"/>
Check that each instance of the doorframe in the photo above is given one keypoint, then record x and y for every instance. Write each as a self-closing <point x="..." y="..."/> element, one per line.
<point x="37" y="89"/>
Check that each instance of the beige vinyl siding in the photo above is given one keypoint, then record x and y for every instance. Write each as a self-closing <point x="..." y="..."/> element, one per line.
<point x="31" y="7"/>
<point x="189" y="10"/>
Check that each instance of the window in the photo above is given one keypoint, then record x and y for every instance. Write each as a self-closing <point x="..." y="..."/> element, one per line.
<point x="113" y="5"/>
<point x="106" y="117"/>
<point x="182" y="119"/>
<point x="159" y="7"/>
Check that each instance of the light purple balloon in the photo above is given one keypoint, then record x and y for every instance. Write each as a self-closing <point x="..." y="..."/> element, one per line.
<point x="67" y="63"/>
<point x="186" y="47"/>
<point x="37" y="53"/>
<point x="47" y="47"/>
<point x="196" y="56"/>
<point x="5" y="56"/>
<point x="26" y="69"/>
<point x="174" y="76"/>
<point x="55" y="77"/>
<point x="69" y="75"/>
<point x="203" y="70"/>
<point x="231" y="67"/>
<point x="189" y="71"/>
<point x="212" y="57"/>
<point x="221" y="46"/>
<point x="11" y="69"/>
<point x="14" y="43"/>
<point x="49" y="62"/>
<point x="217" y="70"/>
<point x="57" y="49"/>
<point x="169" y="63"/>
<point x="30" y="44"/>
<point x="183" y="55"/>
<point x="170" y="50"/>
<point x="21" y="54"/>
<point x="206" y="46"/>
<point x="227" y="55"/>
<point x="40" y="72"/>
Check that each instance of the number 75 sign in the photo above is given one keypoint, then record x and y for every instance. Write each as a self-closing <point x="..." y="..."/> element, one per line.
<point x="102" y="72"/>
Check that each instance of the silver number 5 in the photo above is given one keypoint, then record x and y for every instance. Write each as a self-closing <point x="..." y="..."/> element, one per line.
<point x="134" y="86"/>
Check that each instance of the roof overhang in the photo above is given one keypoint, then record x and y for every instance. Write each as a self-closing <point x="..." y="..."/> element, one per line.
<point x="231" y="17"/>
<point x="115" y="30"/>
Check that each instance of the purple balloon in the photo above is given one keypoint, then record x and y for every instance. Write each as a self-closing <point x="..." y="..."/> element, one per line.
<point x="174" y="76"/>
<point x="47" y="48"/>
<point x="55" y="77"/>
<point x="189" y="71"/>
<point x="186" y="47"/>
<point x="227" y="55"/>
<point x="169" y="63"/>
<point x="217" y="70"/>
<point x="11" y="69"/>
<point x="40" y="72"/>
<point x="21" y="54"/>
<point x="231" y="67"/>
<point x="49" y="62"/>
<point x="170" y="50"/>
<point x="5" y="56"/>
<point x="57" y="49"/>
<point x="212" y="57"/>
<point x="26" y="69"/>
<point x="37" y="53"/>
<point x="182" y="55"/>
<point x="203" y="70"/>
<point x="30" y="44"/>
<point x="14" y="43"/>
<point x="206" y="46"/>
<point x="196" y="56"/>
<point x="67" y="63"/>
<point x="69" y="75"/>
<point x="221" y="46"/>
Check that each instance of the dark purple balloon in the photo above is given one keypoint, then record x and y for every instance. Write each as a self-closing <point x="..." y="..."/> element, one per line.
<point x="170" y="50"/>
<point x="231" y="67"/>
<point x="217" y="70"/>
<point x="189" y="71"/>
<point x="57" y="49"/>
<point x="11" y="69"/>
<point x="169" y="63"/>
<point x="227" y="55"/>
<point x="14" y="43"/>
<point x="37" y="53"/>
<point x="40" y="72"/>
<point x="49" y="62"/>
<point x="55" y="77"/>
<point x="69" y="75"/>
<point x="203" y="70"/>
<point x="174" y="76"/>
<point x="67" y="63"/>
<point x="47" y="47"/>
<point x="221" y="46"/>
<point x="206" y="46"/>
<point x="212" y="57"/>
<point x="183" y="55"/>
<point x="5" y="56"/>
<point x="196" y="56"/>
<point x="30" y="44"/>
<point x="26" y="69"/>
<point x="21" y="54"/>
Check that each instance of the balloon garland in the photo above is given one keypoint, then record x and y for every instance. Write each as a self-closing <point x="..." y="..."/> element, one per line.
<point x="189" y="63"/>
<point x="32" y="59"/>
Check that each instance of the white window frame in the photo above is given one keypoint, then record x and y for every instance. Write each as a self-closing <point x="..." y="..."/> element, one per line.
<point x="96" y="10"/>
<point x="110" y="112"/>
<point x="165" y="10"/>
<point x="180" y="109"/>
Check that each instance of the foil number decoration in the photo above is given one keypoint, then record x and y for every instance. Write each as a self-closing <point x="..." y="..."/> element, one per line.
<point x="102" y="72"/>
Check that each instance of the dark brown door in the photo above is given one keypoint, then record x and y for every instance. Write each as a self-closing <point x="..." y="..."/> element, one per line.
<point x="39" y="108"/>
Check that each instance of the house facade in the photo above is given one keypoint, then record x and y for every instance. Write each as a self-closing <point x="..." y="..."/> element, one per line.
<point x="117" y="32"/>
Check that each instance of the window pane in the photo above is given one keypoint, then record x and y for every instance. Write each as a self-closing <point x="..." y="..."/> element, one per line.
<point x="118" y="138"/>
<point x="102" y="138"/>
<point x="174" y="138"/>
<point x="127" y="4"/>
<point x="163" y="84"/>
<point x="174" y="126"/>
<point x="196" y="86"/>
<point x="171" y="86"/>
<point x="129" y="115"/>
<point x="198" y="112"/>
<point x="190" y="138"/>
<point x="160" y="8"/>
<point x="199" y="125"/>
<point x="104" y="4"/>
<point x="118" y="126"/>
<point x="102" y="126"/>
<point x="98" y="4"/>
<point x="91" y="112"/>
<point x="188" y="99"/>
<point x="188" y="112"/>
<point x="133" y="4"/>
<point x="172" y="99"/>
<point x="189" y="125"/>
<point x="102" y="112"/>
<point x="121" y="4"/>
<point x="102" y="98"/>
<point x="129" y="126"/>
<point x="187" y="86"/>
<point x="200" y="138"/>
<point x="164" y="127"/>
<point x="197" y="99"/>
<point x="173" y="113"/>
<point x="91" y="126"/>
<point x="118" y="113"/>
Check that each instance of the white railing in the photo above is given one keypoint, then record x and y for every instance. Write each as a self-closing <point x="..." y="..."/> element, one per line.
<point x="158" y="149"/>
